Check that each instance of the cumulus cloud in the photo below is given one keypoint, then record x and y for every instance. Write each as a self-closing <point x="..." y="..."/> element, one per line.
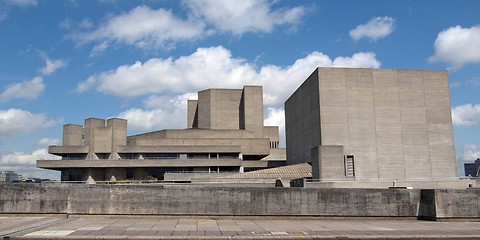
<point x="144" y="28"/>
<point x="51" y="65"/>
<point x="457" y="46"/>
<point x="466" y="115"/>
<point x="149" y="28"/>
<point x="25" y="163"/>
<point x="16" y="121"/>
<point x="45" y="142"/>
<point x="376" y="28"/>
<point x="215" y="67"/>
<point x="161" y="112"/>
<point x="239" y="17"/>
<point x="23" y="90"/>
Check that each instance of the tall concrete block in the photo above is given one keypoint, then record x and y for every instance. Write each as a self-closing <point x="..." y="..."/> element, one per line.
<point x="119" y="135"/>
<point x="89" y="130"/>
<point x="395" y="123"/>
<point x="72" y="135"/>
<point x="251" y="110"/>
<point x="219" y="108"/>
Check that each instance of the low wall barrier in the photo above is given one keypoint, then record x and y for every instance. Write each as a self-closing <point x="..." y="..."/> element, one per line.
<point x="236" y="201"/>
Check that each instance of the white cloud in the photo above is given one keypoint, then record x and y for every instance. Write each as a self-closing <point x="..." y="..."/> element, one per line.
<point x="51" y="65"/>
<point x="17" y="121"/>
<point x="45" y="142"/>
<point x="466" y="115"/>
<point x="25" y="163"/>
<point x="276" y="117"/>
<point x="99" y="49"/>
<point x="161" y="112"/>
<point x="23" y="90"/>
<point x="457" y="46"/>
<point x="149" y="28"/>
<point x="215" y="67"/>
<point x="358" y="60"/>
<point x="144" y="28"/>
<point x="243" y="16"/>
<point x="376" y="28"/>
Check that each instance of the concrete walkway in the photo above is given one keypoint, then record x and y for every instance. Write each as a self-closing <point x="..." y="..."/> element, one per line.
<point x="158" y="227"/>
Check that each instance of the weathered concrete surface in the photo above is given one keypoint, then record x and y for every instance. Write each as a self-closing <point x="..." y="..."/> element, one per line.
<point x="206" y="200"/>
<point x="200" y="200"/>
<point x="33" y="198"/>
<point x="236" y="201"/>
<point x="441" y="204"/>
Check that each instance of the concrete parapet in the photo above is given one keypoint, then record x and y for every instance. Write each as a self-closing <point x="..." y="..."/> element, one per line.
<point x="439" y="204"/>
<point x="237" y="201"/>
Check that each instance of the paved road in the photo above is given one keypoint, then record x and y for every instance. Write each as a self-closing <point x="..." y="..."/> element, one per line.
<point x="157" y="227"/>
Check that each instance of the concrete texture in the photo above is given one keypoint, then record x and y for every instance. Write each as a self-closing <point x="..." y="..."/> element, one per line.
<point x="395" y="123"/>
<point x="446" y="204"/>
<point x="136" y="227"/>
<point x="235" y="201"/>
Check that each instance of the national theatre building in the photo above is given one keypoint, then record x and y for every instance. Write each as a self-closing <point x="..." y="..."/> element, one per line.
<point x="225" y="133"/>
<point x="349" y="124"/>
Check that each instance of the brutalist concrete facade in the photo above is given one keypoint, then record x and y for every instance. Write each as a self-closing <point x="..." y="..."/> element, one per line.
<point x="225" y="134"/>
<point x="367" y="124"/>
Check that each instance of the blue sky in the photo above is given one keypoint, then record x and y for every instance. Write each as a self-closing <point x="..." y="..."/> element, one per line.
<point x="64" y="61"/>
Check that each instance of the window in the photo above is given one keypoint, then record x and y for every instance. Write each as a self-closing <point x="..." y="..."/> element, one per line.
<point x="349" y="166"/>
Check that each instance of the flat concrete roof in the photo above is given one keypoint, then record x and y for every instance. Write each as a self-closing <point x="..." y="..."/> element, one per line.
<point x="221" y="227"/>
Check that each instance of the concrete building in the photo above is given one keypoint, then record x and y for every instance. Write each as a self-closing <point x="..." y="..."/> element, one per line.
<point x="9" y="176"/>
<point x="472" y="169"/>
<point x="372" y="124"/>
<point x="225" y="134"/>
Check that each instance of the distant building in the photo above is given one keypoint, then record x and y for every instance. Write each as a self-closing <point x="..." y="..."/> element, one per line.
<point x="9" y="176"/>
<point x="371" y="124"/>
<point x="225" y="134"/>
<point x="472" y="169"/>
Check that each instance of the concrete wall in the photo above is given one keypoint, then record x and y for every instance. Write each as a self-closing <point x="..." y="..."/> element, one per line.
<point x="302" y="116"/>
<point x="221" y="200"/>
<point x="205" y="200"/>
<point x="219" y="108"/>
<point x="447" y="204"/>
